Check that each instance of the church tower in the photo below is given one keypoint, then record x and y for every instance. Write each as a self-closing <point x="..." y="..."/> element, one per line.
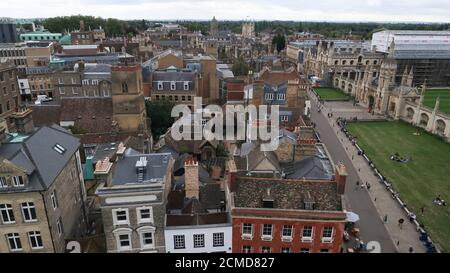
<point x="214" y="28"/>
<point x="128" y="99"/>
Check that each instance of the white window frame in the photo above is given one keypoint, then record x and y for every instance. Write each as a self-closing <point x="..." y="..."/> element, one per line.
<point x="266" y="237"/>
<point x="60" y="81"/>
<point x="85" y="82"/>
<point x="173" y="85"/>
<point x="247" y="236"/>
<point x="186" y="86"/>
<point x="269" y="96"/>
<point x="285" y="250"/>
<point x="144" y="230"/>
<point x="34" y="235"/>
<point x="284" y="118"/>
<point x="140" y="220"/>
<point x="16" y="181"/>
<point x="9" y="211"/>
<point x="307" y="238"/>
<point x="3" y="183"/>
<point x="118" y="222"/>
<point x="105" y="93"/>
<point x="74" y="91"/>
<point x="175" y="241"/>
<point x="61" y="90"/>
<point x="120" y="232"/>
<point x="266" y="249"/>
<point x="160" y="85"/>
<point x="245" y="250"/>
<point x="74" y="81"/>
<point x="16" y="237"/>
<point x="281" y="96"/>
<point x="94" y="82"/>
<point x="327" y="239"/>
<point x="54" y="200"/>
<point x="28" y="207"/>
<point x="198" y="240"/>
<point x="287" y="238"/>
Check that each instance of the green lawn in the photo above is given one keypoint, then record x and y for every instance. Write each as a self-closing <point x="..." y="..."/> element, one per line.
<point x="331" y="94"/>
<point x="418" y="181"/>
<point x="444" y="94"/>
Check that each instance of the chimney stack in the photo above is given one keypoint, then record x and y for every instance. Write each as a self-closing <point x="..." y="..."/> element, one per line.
<point x="103" y="172"/>
<point x="191" y="183"/>
<point x="23" y="120"/>
<point x="341" y="177"/>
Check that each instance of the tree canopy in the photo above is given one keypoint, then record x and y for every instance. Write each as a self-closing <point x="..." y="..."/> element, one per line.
<point x="279" y="41"/>
<point x="240" y="68"/>
<point x="160" y="116"/>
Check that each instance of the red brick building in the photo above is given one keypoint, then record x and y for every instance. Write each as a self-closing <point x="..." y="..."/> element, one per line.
<point x="288" y="215"/>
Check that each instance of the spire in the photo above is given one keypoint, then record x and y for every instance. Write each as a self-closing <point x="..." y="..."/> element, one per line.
<point x="436" y="105"/>
<point x="404" y="76"/>
<point x="409" y="80"/>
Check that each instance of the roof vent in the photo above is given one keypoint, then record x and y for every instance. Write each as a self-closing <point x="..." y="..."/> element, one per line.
<point x="268" y="200"/>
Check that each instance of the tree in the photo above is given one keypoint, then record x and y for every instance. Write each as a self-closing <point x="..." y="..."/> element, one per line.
<point x="240" y="68"/>
<point x="160" y="116"/>
<point x="279" y="41"/>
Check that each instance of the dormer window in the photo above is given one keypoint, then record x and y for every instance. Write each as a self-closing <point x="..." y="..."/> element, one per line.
<point x="18" y="181"/>
<point x="3" y="183"/>
<point x="269" y="96"/>
<point x="268" y="203"/>
<point x="173" y="86"/>
<point x="160" y="85"/>
<point x="309" y="205"/>
<point x="281" y="96"/>
<point x="186" y="86"/>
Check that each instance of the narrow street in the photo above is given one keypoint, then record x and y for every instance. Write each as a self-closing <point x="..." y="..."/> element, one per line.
<point x="372" y="227"/>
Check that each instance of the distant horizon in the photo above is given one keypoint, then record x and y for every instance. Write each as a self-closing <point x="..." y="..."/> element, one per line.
<point x="239" y="20"/>
<point x="333" y="11"/>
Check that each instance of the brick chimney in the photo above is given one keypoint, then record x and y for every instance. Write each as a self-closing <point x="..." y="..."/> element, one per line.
<point x="341" y="177"/>
<point x="103" y="172"/>
<point x="191" y="183"/>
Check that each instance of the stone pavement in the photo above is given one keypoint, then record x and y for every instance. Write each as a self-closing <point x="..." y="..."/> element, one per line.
<point x="403" y="238"/>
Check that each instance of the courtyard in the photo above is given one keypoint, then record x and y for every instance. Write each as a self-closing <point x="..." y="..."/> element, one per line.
<point x="432" y="94"/>
<point x="419" y="180"/>
<point x="331" y="94"/>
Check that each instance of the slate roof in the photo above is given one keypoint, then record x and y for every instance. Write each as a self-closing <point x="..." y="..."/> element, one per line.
<point x="310" y="168"/>
<point x="287" y="194"/>
<point x="179" y="77"/>
<point x="38" y="157"/>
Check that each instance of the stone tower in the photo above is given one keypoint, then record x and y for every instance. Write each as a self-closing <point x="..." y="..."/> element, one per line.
<point x="214" y="28"/>
<point x="248" y="29"/>
<point x="128" y="98"/>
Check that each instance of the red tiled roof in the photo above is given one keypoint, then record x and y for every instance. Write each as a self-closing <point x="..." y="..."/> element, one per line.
<point x="277" y="78"/>
<point x="93" y="115"/>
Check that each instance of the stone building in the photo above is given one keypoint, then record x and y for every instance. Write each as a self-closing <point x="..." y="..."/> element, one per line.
<point x="9" y="92"/>
<point x="133" y="197"/>
<point x="128" y="98"/>
<point x="178" y="87"/>
<point x="248" y="29"/>
<point x="42" y="195"/>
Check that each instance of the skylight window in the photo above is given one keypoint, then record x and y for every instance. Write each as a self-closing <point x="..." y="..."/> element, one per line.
<point x="59" y="149"/>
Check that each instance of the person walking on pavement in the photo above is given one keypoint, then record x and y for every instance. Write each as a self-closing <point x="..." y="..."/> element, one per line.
<point x="357" y="184"/>
<point x="385" y="218"/>
<point x="400" y="223"/>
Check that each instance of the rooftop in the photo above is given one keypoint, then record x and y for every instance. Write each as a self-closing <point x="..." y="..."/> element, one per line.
<point x="135" y="168"/>
<point x="286" y="194"/>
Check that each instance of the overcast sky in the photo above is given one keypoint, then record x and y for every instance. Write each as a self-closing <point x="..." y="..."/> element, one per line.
<point x="298" y="10"/>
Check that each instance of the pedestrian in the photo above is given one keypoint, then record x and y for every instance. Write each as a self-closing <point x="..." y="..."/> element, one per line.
<point x="359" y="169"/>
<point x="353" y="157"/>
<point x="411" y="249"/>
<point x="368" y="186"/>
<point x="375" y="200"/>
<point x="398" y="243"/>
<point x="400" y="223"/>
<point x="385" y="218"/>
<point x="357" y="184"/>
<point x="422" y="210"/>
